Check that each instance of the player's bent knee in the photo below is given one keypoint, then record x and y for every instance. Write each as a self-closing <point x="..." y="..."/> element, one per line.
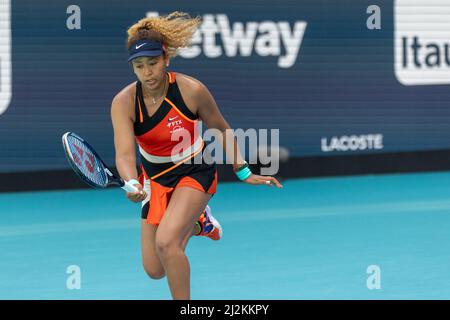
<point x="154" y="273"/>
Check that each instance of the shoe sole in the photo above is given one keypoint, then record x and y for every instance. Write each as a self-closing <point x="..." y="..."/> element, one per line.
<point x="215" y="223"/>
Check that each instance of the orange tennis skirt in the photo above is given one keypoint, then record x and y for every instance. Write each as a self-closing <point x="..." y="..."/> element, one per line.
<point x="201" y="177"/>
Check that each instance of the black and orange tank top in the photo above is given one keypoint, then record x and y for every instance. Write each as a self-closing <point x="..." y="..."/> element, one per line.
<point x="170" y="136"/>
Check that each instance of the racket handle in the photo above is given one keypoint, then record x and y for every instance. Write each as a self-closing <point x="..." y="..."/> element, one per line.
<point x="129" y="186"/>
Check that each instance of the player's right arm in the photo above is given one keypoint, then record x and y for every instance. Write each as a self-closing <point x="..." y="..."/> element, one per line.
<point x="124" y="141"/>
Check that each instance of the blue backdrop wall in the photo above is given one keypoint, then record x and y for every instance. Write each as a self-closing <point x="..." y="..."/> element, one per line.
<point x="312" y="69"/>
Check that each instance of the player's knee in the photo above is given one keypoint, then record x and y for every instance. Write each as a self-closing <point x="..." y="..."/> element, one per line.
<point x="166" y="246"/>
<point x="154" y="273"/>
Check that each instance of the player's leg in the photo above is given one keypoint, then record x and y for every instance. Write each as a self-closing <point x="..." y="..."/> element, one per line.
<point x="150" y="259"/>
<point x="184" y="209"/>
<point x="206" y="225"/>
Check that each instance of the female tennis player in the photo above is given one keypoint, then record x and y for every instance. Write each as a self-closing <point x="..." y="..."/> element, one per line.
<point x="158" y="111"/>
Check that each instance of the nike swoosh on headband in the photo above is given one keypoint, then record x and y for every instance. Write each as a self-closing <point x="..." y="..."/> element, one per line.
<point x="138" y="46"/>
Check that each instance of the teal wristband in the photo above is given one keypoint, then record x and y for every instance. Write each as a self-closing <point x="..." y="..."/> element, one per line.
<point x="245" y="165"/>
<point x="244" y="174"/>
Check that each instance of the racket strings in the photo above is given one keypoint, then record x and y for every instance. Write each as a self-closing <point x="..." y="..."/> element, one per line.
<point x="86" y="162"/>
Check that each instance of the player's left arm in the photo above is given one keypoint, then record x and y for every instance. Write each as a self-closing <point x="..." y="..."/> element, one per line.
<point x="209" y="113"/>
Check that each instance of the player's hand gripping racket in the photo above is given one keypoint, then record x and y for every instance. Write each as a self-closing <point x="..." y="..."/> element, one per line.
<point x="89" y="166"/>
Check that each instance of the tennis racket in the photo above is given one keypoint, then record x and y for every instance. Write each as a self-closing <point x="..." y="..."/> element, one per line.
<point x="88" y="165"/>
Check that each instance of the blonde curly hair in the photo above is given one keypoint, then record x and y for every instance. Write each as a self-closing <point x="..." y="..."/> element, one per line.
<point x="175" y="30"/>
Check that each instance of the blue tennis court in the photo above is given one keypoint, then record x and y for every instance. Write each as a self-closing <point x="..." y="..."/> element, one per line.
<point x="314" y="239"/>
